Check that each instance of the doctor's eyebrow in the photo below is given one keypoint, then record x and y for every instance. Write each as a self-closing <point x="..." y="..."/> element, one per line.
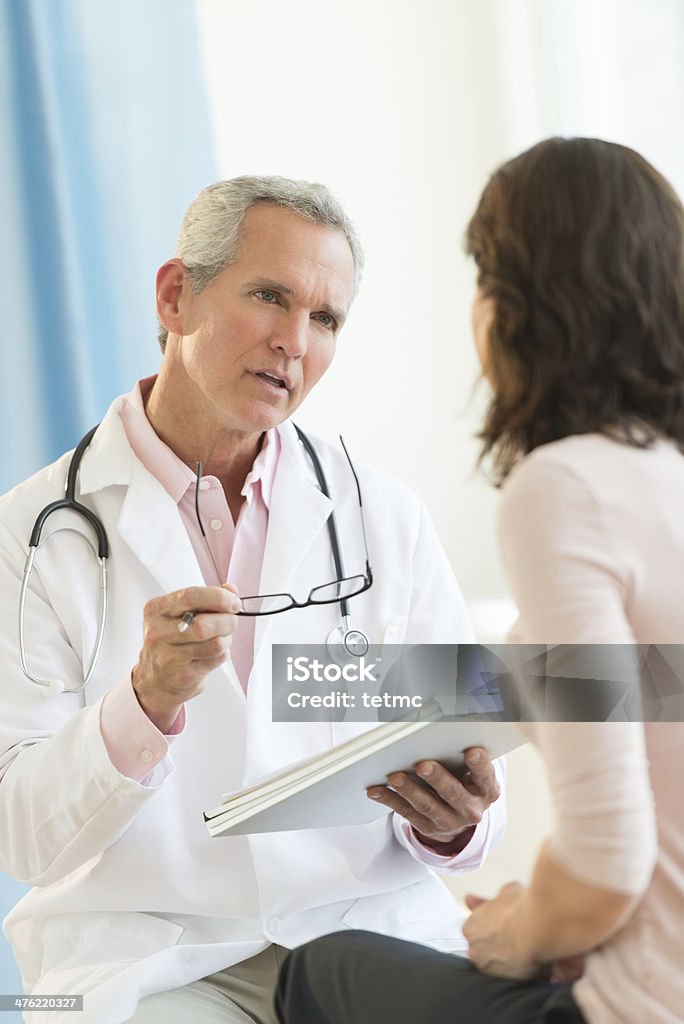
<point x="271" y="285"/>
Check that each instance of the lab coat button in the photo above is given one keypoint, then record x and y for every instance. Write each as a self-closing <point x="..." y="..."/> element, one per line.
<point x="273" y="924"/>
<point x="216" y="524"/>
<point x="146" y="756"/>
<point x="204" y="485"/>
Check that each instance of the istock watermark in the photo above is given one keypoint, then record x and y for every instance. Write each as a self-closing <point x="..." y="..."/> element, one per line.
<point x="304" y="669"/>
<point x="508" y="682"/>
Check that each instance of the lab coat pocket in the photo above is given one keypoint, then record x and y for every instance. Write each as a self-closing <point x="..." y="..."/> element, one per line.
<point x="422" y="912"/>
<point x="72" y="942"/>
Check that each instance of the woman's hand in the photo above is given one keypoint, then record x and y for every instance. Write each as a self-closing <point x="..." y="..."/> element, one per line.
<point x="548" y="926"/>
<point x="492" y="934"/>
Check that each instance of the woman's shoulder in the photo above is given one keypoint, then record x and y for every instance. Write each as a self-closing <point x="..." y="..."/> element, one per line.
<point x="596" y="463"/>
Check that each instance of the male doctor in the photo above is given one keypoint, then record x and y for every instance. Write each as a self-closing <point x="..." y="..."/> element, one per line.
<point x="102" y="787"/>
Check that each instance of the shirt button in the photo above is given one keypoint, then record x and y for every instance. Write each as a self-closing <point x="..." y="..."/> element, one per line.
<point x="273" y="924"/>
<point x="216" y="524"/>
<point x="204" y="485"/>
<point x="146" y="756"/>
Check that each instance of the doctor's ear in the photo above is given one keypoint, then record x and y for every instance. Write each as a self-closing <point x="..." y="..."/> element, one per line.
<point x="172" y="279"/>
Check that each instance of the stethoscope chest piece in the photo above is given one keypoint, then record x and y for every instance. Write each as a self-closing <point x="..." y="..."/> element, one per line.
<point x="343" y="643"/>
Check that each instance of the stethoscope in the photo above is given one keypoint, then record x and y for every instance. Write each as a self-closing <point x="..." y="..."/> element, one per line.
<point x="342" y="642"/>
<point x="54" y="686"/>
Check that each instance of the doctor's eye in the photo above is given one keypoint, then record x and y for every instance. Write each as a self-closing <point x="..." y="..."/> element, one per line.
<point x="326" y="320"/>
<point x="266" y="295"/>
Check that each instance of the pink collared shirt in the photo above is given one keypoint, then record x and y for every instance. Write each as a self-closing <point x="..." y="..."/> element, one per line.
<point x="230" y="552"/>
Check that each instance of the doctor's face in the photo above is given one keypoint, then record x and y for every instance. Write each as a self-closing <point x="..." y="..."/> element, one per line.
<point x="263" y="332"/>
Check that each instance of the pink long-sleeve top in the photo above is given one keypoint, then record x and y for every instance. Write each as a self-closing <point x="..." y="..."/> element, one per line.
<point x="592" y="535"/>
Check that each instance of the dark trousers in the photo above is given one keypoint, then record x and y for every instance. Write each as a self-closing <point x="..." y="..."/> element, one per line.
<point x="358" y="977"/>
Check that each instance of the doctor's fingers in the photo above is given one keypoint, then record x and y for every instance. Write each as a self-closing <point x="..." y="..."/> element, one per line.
<point x="161" y="635"/>
<point x="214" y="649"/>
<point x="195" y="600"/>
<point x="204" y="626"/>
<point x="478" y="778"/>
<point x="433" y="818"/>
<point x="447" y="804"/>
<point x="208" y="611"/>
<point x="167" y="676"/>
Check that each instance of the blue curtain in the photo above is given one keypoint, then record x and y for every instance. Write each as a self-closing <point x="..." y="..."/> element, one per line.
<point x="105" y="138"/>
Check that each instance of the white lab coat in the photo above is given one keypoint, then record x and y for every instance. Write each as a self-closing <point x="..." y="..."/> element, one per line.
<point x="131" y="895"/>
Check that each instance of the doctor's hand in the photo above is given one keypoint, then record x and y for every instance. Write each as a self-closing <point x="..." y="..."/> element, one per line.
<point x="173" y="664"/>
<point x="442" y="808"/>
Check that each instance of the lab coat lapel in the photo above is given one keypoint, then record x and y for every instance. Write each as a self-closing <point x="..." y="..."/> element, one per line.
<point x="149" y="520"/>
<point x="151" y="525"/>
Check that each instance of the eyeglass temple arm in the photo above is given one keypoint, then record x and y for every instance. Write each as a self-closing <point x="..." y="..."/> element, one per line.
<point x="369" y="571"/>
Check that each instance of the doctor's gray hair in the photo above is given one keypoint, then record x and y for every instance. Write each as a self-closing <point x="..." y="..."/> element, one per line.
<point x="209" y="238"/>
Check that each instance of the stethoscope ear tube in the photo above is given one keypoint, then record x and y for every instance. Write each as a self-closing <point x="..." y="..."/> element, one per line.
<point x="28" y="565"/>
<point x="71" y="505"/>
<point x="69" y="502"/>
<point x="51" y="687"/>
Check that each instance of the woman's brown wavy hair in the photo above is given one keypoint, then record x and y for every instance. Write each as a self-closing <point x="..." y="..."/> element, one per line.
<point x="580" y="244"/>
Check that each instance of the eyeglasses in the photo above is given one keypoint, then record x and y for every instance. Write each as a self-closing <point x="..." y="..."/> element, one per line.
<point x="338" y="590"/>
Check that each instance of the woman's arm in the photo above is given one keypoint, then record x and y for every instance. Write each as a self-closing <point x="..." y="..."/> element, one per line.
<point x="562" y="915"/>
<point x="557" y="917"/>
<point x="571" y="583"/>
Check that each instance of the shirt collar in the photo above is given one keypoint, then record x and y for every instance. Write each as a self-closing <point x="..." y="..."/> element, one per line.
<point x="263" y="470"/>
<point x="171" y="472"/>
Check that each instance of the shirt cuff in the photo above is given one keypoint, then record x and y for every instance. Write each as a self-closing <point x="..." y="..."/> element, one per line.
<point x="134" y="744"/>
<point x="470" y="856"/>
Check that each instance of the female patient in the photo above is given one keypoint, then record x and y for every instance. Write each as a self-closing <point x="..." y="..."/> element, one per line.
<point x="579" y="326"/>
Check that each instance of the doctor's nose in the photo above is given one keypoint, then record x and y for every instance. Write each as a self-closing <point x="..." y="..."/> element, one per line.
<point x="292" y="337"/>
